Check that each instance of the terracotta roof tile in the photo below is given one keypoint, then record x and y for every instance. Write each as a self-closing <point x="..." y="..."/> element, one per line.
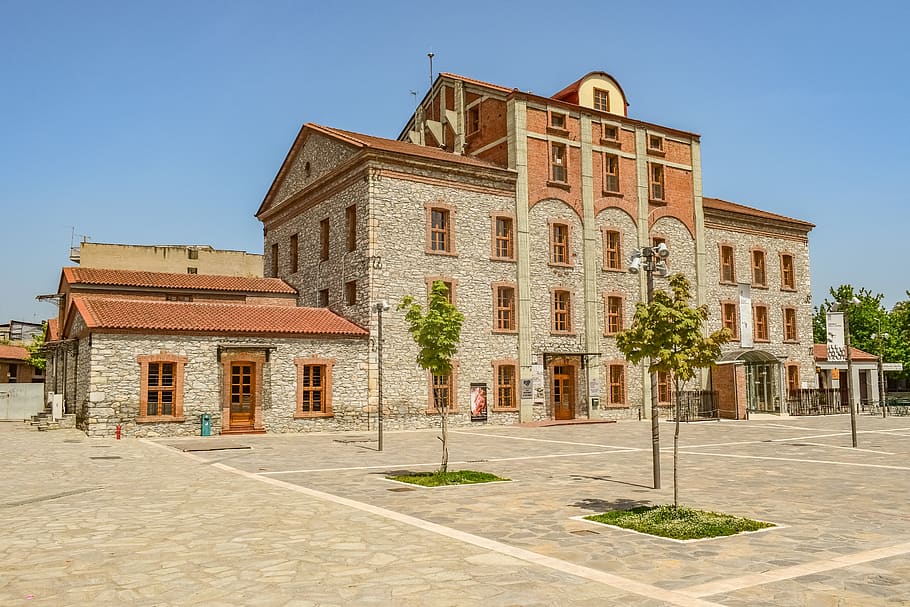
<point x="820" y="351"/>
<point x="164" y="280"/>
<point x="13" y="352"/>
<point x="143" y="315"/>
<point x="724" y="205"/>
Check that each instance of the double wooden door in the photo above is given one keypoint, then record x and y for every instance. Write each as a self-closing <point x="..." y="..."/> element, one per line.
<point x="562" y="391"/>
<point x="242" y="395"/>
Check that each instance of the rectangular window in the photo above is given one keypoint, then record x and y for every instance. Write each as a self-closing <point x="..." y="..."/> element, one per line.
<point x="617" y="384"/>
<point x="559" y="244"/>
<point x="728" y="317"/>
<point x="505" y="387"/>
<point x="473" y="119"/>
<point x="727" y="265"/>
<point x="787" y="273"/>
<point x="13" y="373"/>
<point x="562" y="312"/>
<point x="192" y="253"/>
<point x="192" y="270"/>
<point x="557" y="121"/>
<point x="322" y="299"/>
<point x="761" y="323"/>
<point x="558" y="171"/>
<point x="790" y="332"/>
<point x="184" y="298"/>
<point x="793" y="378"/>
<point x="611" y="173"/>
<point x="655" y="143"/>
<point x="503" y="240"/>
<point x="610" y="132"/>
<point x="350" y="215"/>
<point x="613" y="324"/>
<point x="324" y="239"/>
<point x="759" y="276"/>
<point x="350" y="293"/>
<point x="442" y="391"/>
<point x="505" y="308"/>
<point x="440" y="230"/>
<point x="161" y="386"/>
<point x="275" y="260"/>
<point x="312" y="387"/>
<point x="293" y="251"/>
<point x="601" y="100"/>
<point x="657" y="181"/>
<point x="612" y="250"/>
<point x="663" y="387"/>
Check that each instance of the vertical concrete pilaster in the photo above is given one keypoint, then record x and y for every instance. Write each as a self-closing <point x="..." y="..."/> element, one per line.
<point x="459" y="117"/>
<point x="589" y="243"/>
<point x="644" y="239"/>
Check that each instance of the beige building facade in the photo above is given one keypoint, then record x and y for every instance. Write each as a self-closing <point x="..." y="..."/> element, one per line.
<point x="178" y="259"/>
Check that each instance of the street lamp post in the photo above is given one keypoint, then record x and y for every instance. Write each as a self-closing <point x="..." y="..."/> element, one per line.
<point x="845" y="307"/>
<point x="380" y="307"/>
<point x="650" y="260"/>
<point x="882" y="390"/>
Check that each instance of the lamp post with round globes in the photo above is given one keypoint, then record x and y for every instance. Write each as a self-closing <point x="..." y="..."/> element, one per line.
<point x="882" y="390"/>
<point x="846" y="307"/>
<point x="380" y="307"/>
<point x="651" y="260"/>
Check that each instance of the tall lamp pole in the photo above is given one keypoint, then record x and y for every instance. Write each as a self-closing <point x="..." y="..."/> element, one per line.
<point x="650" y="260"/>
<point x="380" y="307"/>
<point x="882" y="390"/>
<point x="845" y="307"/>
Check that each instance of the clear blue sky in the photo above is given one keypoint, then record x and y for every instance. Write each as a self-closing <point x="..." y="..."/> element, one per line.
<point x="165" y="122"/>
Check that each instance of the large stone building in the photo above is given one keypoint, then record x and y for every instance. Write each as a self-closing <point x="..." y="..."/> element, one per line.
<point x="528" y="208"/>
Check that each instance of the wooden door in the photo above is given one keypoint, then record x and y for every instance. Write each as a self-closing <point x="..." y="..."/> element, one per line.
<point x="562" y="389"/>
<point x="243" y="394"/>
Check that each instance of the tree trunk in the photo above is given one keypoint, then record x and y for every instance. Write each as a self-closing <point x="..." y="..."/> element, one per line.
<point x="443" y="415"/>
<point x="676" y="448"/>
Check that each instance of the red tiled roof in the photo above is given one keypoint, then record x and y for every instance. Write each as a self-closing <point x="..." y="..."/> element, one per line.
<point x="820" y="351"/>
<point x="724" y="205"/>
<point x="144" y="315"/>
<point x="164" y="280"/>
<point x="53" y="329"/>
<point x="399" y="147"/>
<point x="13" y="352"/>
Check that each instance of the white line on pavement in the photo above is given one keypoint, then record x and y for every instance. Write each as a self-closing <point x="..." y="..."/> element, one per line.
<point x="798" y="460"/>
<point x="547" y="440"/>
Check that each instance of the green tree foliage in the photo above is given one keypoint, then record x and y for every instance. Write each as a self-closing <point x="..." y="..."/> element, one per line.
<point x="668" y="332"/>
<point x="437" y="334"/>
<point x="36" y="355"/>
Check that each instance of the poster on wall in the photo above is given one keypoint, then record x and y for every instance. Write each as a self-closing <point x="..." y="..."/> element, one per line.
<point x="478" y="402"/>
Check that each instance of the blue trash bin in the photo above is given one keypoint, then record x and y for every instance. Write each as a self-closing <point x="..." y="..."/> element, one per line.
<point x="206" y="423"/>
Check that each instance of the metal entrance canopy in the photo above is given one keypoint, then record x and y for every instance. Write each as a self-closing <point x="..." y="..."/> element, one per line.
<point x="583" y="355"/>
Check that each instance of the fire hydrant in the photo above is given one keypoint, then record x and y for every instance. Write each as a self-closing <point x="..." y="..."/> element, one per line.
<point x="118" y="431"/>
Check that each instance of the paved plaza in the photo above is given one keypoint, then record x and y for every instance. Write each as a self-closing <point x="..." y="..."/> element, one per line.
<point x="307" y="520"/>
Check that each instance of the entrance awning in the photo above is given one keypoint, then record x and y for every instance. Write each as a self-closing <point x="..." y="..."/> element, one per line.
<point x="583" y="355"/>
<point x="748" y="356"/>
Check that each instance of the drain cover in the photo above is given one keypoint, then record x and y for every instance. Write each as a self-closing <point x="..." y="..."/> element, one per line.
<point x="584" y="532"/>
<point x="106" y="457"/>
<point x="400" y="489"/>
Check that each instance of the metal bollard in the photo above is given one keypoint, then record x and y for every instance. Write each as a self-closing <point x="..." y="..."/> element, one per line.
<point x="118" y="432"/>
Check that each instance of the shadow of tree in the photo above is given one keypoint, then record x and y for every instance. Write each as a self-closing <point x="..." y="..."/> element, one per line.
<point x="600" y="505"/>
<point x="579" y="477"/>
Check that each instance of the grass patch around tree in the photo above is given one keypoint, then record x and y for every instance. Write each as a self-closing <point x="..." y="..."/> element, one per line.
<point x="454" y="477"/>
<point x="678" y="522"/>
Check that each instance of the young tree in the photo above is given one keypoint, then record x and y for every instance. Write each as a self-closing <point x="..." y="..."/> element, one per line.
<point x="668" y="332"/>
<point x="437" y="334"/>
<point x="36" y="355"/>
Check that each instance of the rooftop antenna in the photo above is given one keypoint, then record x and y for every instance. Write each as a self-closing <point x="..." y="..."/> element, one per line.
<point x="415" y="97"/>
<point x="431" y="55"/>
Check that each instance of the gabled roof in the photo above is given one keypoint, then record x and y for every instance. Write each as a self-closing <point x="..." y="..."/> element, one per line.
<point x="820" y="351"/>
<point x="139" y="316"/>
<point x="165" y="280"/>
<point x="364" y="142"/>
<point x="732" y="207"/>
<point x="53" y="330"/>
<point x="13" y="352"/>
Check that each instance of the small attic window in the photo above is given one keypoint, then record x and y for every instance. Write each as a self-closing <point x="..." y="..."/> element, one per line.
<point x="601" y="100"/>
<point x="557" y="120"/>
<point x="655" y="143"/>
<point x="611" y="132"/>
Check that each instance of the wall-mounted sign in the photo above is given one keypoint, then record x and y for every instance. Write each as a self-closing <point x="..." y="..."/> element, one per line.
<point x="478" y="402"/>
<point x="527" y="388"/>
<point x="892" y="366"/>
<point x="745" y="316"/>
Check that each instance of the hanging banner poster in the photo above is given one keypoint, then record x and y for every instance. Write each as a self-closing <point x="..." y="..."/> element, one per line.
<point x="745" y="316"/>
<point x="478" y="402"/>
<point x="836" y="349"/>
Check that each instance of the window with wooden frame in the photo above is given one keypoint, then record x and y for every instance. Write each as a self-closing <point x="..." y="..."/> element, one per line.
<point x="793" y="384"/>
<point x="562" y="311"/>
<point x="293" y="252"/>
<point x="601" y="100"/>
<point x="760" y="331"/>
<point x="324" y="239"/>
<point x="611" y="173"/>
<point x="655" y="143"/>
<point x="449" y="282"/>
<point x="350" y="216"/>
<point x="440" y="229"/>
<point x="505" y="374"/>
<point x="759" y="273"/>
<point x="727" y="265"/>
<point x="442" y="392"/>
<point x="314" y="387"/>
<point x="472" y="119"/>
<point x="790" y="330"/>
<point x="728" y="317"/>
<point x="192" y="253"/>
<point x="612" y="314"/>
<point x="617" y="378"/>
<point x="274" y="260"/>
<point x="787" y="272"/>
<point x="322" y="298"/>
<point x="161" y="387"/>
<point x="612" y="250"/>
<point x="350" y="293"/>
<point x="664" y="387"/>
<point x="504" y="320"/>
<point x="558" y="167"/>
<point x="656" y="171"/>
<point x="558" y="120"/>
<point x="503" y="237"/>
<point x="559" y="244"/>
<point x="192" y="270"/>
<point x="610" y="133"/>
